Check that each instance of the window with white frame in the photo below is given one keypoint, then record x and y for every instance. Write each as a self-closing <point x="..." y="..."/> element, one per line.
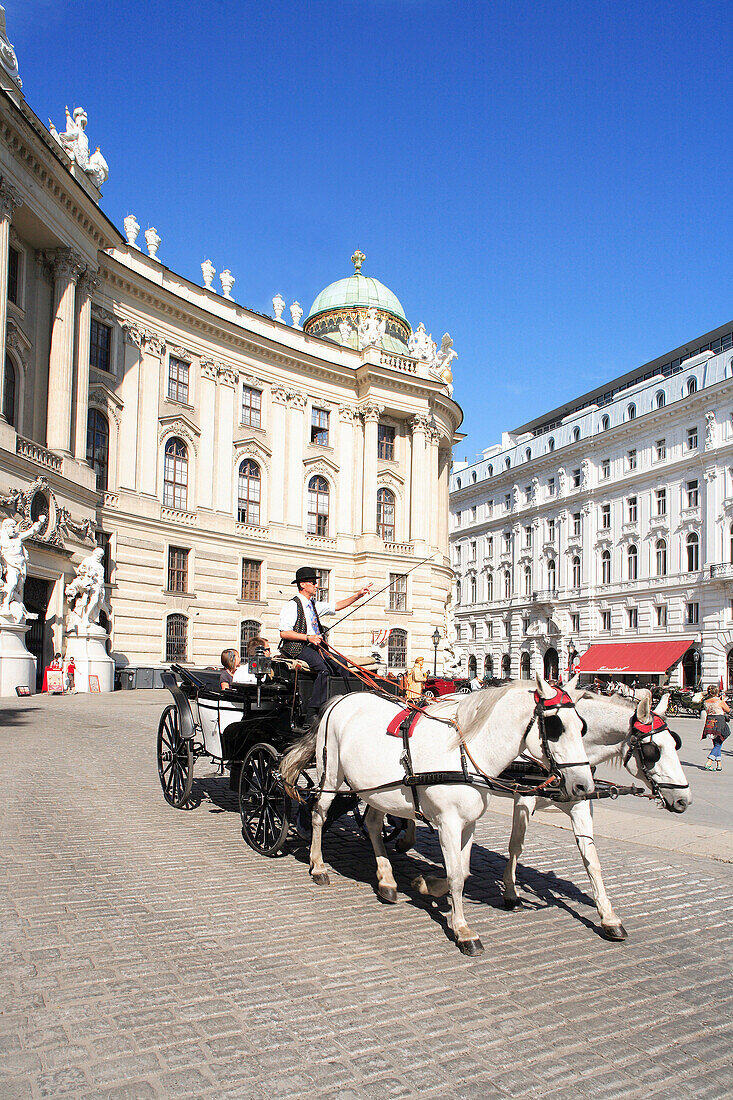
<point x="631" y="412"/>
<point x="576" y="572"/>
<point x="632" y="558"/>
<point x="692" y="439"/>
<point x="386" y="514"/>
<point x="606" y="621"/>
<point x="576" y="479"/>
<point x="605" y="423"/>
<point x="605" y="469"/>
<point x="577" y="524"/>
<point x="660" y="611"/>
<point x="100" y="345"/>
<point x="385" y="442"/>
<point x="507" y="584"/>
<point x="490" y="546"/>
<point x="318" y="506"/>
<point x="631" y="459"/>
<point x="251" y="407"/>
<point x="632" y="618"/>
<point x="606" y="517"/>
<point x="692" y="614"/>
<point x="489" y="585"/>
<point x="473" y="632"/>
<point x="527" y="581"/>
<point x="323" y="585"/>
<point x="606" y="567"/>
<point x="693" y="552"/>
<point x="473" y="590"/>
<point x="490" y="629"/>
<point x="507" y="628"/>
<point x="692" y="491"/>
<point x="550" y="530"/>
<point x="660" y="501"/>
<point x="660" y="400"/>
<point x="319" y="427"/>
<point x="178" y="372"/>
<point x="631" y="509"/>
<point x="551" y="575"/>
<point x="551" y="487"/>
<point x="473" y="552"/>
<point x="575" y="622"/>
<point x="398" y="591"/>
<point x="660" y="450"/>
<point x="528" y="537"/>
<point x="661" y="556"/>
<point x="249" y="492"/>
<point x="175" y="475"/>
<point x="473" y="514"/>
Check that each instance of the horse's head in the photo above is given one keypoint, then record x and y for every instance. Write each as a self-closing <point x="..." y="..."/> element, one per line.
<point x="651" y="754"/>
<point x="561" y="731"/>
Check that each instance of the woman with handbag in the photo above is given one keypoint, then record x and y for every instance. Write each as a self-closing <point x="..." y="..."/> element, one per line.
<point x="716" y="726"/>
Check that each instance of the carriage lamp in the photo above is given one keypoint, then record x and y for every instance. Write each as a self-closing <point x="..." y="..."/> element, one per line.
<point x="436" y="643"/>
<point x="696" y="659"/>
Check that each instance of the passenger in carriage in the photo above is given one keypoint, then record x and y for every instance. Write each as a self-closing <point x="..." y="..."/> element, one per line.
<point x="243" y="674"/>
<point x="230" y="663"/>
<point x="302" y="636"/>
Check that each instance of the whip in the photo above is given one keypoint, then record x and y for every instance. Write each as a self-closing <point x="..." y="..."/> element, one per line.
<point x="332" y="626"/>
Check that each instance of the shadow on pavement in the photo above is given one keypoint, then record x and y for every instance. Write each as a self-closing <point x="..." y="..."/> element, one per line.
<point x="16" y="717"/>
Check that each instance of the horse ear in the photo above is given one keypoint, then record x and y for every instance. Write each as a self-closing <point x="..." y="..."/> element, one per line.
<point x="545" y="690"/>
<point x="572" y="684"/>
<point x="644" y="708"/>
<point x="661" y="707"/>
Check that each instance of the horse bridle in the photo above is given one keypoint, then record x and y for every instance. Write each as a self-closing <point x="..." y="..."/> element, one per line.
<point x="646" y="752"/>
<point x="551" y="728"/>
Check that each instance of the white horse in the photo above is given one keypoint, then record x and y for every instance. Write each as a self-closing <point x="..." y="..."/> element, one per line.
<point x="351" y="746"/>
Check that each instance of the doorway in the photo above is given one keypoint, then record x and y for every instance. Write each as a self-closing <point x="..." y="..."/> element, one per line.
<point x="551" y="664"/>
<point x="36" y="597"/>
<point x="524" y="672"/>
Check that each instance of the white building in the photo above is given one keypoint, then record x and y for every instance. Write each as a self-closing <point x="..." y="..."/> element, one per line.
<point x="609" y="519"/>
<point x="211" y="449"/>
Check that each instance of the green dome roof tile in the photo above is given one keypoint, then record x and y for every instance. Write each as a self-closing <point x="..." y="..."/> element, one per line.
<point x="357" y="290"/>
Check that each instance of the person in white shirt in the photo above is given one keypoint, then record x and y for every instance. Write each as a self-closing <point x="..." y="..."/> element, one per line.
<point x="243" y="675"/>
<point x="301" y="633"/>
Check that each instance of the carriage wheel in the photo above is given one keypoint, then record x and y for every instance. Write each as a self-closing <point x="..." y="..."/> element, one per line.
<point x="175" y="760"/>
<point x="391" y="829"/>
<point x="263" y="804"/>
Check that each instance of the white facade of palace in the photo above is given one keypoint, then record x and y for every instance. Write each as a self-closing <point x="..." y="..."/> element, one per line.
<point x="212" y="449"/>
<point x="609" y="519"/>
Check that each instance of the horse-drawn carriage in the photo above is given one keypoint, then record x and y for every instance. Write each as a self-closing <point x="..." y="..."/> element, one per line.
<point x="245" y="729"/>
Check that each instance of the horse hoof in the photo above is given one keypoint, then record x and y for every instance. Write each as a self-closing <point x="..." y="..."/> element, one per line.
<point x="321" y="878"/>
<point x="614" y="932"/>
<point x="512" y="903"/>
<point x="387" y="894"/>
<point x="471" y="947"/>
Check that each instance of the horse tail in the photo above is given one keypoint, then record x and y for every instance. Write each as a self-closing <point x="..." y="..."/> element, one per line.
<point x="300" y="756"/>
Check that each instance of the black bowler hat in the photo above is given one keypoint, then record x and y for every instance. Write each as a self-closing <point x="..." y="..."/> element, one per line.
<point x="305" y="573"/>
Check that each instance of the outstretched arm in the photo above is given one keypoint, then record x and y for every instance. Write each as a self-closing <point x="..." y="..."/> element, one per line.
<point x="32" y="530"/>
<point x="352" y="599"/>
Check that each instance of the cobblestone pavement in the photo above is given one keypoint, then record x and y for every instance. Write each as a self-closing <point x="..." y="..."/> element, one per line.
<point x="147" y="952"/>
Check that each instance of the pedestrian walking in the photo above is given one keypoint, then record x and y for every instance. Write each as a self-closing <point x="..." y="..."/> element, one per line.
<point x="716" y="726"/>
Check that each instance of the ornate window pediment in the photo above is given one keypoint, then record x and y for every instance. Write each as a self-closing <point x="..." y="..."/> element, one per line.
<point x="393" y="479"/>
<point x="320" y="465"/>
<point x="251" y="446"/>
<point x="179" y="425"/>
<point x="102" y="397"/>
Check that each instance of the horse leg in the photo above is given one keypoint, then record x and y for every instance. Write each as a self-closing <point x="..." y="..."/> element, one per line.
<point x="332" y="780"/>
<point x="387" y="887"/>
<point x="456" y="841"/>
<point x="523" y="810"/>
<point x="582" y="822"/>
<point x="407" y="840"/>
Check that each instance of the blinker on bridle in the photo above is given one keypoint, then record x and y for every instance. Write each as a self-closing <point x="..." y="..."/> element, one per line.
<point x="551" y="728"/>
<point x="647" y="751"/>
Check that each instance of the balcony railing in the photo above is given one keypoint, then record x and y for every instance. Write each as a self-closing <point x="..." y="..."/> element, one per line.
<point x="28" y="449"/>
<point x="723" y="571"/>
<point x="545" y="595"/>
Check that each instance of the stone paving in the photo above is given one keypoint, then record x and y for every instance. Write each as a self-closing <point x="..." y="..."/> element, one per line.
<point x="147" y="952"/>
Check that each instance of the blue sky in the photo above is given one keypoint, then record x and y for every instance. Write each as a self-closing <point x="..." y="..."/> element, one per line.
<point x="549" y="182"/>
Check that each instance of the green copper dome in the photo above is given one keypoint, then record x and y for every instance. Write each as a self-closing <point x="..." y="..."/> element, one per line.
<point x="357" y="290"/>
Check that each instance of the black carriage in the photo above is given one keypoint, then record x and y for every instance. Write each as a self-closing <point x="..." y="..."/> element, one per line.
<point x="246" y="729"/>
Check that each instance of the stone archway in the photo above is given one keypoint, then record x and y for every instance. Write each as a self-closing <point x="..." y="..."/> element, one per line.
<point x="691" y="668"/>
<point x="472" y="667"/>
<point x="551" y="664"/>
<point x="524" y="669"/>
<point x="506" y="666"/>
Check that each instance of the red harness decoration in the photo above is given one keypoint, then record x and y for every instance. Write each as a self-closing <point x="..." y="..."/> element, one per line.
<point x="559" y="699"/>
<point x="409" y="716"/>
<point x="657" y="723"/>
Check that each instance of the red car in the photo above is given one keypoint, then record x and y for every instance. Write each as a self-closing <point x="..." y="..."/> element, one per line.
<point x="440" y="685"/>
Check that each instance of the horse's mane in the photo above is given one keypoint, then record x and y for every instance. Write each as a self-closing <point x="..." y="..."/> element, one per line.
<point x="467" y="708"/>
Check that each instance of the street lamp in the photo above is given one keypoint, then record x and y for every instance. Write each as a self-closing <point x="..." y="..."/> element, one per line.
<point x="696" y="659"/>
<point x="572" y="654"/>
<point x="436" y="643"/>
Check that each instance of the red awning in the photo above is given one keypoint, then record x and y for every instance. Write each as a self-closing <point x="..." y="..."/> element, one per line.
<point x="631" y="657"/>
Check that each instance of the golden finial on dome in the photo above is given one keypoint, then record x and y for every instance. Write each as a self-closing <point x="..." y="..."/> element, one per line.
<point x="357" y="260"/>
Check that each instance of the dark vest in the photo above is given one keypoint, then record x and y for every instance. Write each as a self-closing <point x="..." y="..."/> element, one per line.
<point x="294" y="649"/>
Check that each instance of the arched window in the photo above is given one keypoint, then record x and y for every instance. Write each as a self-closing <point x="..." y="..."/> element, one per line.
<point x="605" y="423"/>
<point x="631" y="411"/>
<point x="318" y="495"/>
<point x="506" y="666"/>
<point x="632" y="557"/>
<point x="385" y="514"/>
<point x="473" y="590"/>
<point x="175" y="475"/>
<point x="176" y="638"/>
<point x="691" y="386"/>
<point x="576" y="435"/>
<point x="490" y="471"/>
<point x="693" y="552"/>
<point x="397" y="648"/>
<point x="527" y="581"/>
<point x="249" y="628"/>
<point x="507" y="584"/>
<point x="661" y="549"/>
<point x="250" y="485"/>
<point x="490" y="585"/>
<point x="472" y="667"/>
<point x="98" y="446"/>
<point x="551" y="575"/>
<point x="524" y="667"/>
<point x="576" y="572"/>
<point x="550" y="444"/>
<point x="9" y="393"/>
<point x="528" y="454"/>
<point x="606" y="567"/>
<point x="661" y="399"/>
<point x="488" y="665"/>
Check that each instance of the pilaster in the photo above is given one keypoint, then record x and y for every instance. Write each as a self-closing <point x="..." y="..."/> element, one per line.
<point x="207" y="405"/>
<point x="294" y="502"/>
<point x="278" y="417"/>
<point x="85" y="287"/>
<point x="67" y="267"/>
<point x="370" y="413"/>
<point x="9" y="201"/>
<point x="420" y="502"/>
<point x="225" y="444"/>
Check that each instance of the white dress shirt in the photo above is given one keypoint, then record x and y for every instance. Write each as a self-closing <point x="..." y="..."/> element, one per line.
<point x="289" y="613"/>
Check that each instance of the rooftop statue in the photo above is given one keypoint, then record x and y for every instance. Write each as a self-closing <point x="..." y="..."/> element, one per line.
<point x="371" y="329"/>
<point x="443" y="360"/>
<point x="86" y="592"/>
<point x="345" y="331"/>
<point x="421" y="345"/>
<point x="76" y="144"/>
<point x="14" y="557"/>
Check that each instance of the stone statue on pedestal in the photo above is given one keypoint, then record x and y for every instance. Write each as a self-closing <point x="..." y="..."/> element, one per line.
<point x="443" y="362"/>
<point x="76" y="144"/>
<point x="14" y="557"/>
<point x="371" y="329"/>
<point x="86" y="592"/>
<point x="421" y="345"/>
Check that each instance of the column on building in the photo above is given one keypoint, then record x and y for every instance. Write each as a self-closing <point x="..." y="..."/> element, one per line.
<point x="420" y="502"/>
<point x="434" y="481"/>
<point x="444" y="461"/>
<point x="85" y="287"/>
<point x="278" y="430"/>
<point x="347" y="415"/>
<point x="67" y="267"/>
<point x="225" y="443"/>
<point x="207" y="408"/>
<point x="371" y="413"/>
<point x="153" y="350"/>
<point x="129" y="388"/>
<point x="9" y="201"/>
<point x="294" y="487"/>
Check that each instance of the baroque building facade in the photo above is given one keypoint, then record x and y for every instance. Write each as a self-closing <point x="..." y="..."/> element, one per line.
<point x="609" y="519"/>
<point x="210" y="449"/>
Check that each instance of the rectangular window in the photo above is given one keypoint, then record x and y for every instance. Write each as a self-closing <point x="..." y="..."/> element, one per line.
<point x="177" y="569"/>
<point x="660" y="500"/>
<point x="507" y="628"/>
<point x="251" y="579"/>
<point x="398" y="592"/>
<point x="319" y="427"/>
<point x="575" y="623"/>
<point x="473" y="632"/>
<point x="458" y="519"/>
<point x="693" y="494"/>
<point x="14" y="275"/>
<point x="507" y="542"/>
<point x="458" y="554"/>
<point x="323" y="584"/>
<point x="527" y="494"/>
<point x="490" y="546"/>
<point x="692" y="614"/>
<point x="507" y="502"/>
<point x="528" y="537"/>
<point x="385" y="442"/>
<point x="692" y="439"/>
<point x="632" y="618"/>
<point x="605" y="469"/>
<point x="577" y="523"/>
<point x="606" y="620"/>
<point x="660" y="448"/>
<point x="661" y="612"/>
<point x="178" y="380"/>
<point x="550" y="530"/>
<point x="473" y="514"/>
<point x="632" y="509"/>
<point x="631" y="459"/>
<point x="100" y="342"/>
<point x="551" y="487"/>
<point x="251" y="407"/>
<point x="473" y="552"/>
<point x="490" y="629"/>
<point x="489" y="509"/>
<point x="525" y="626"/>
<point x="576" y="479"/>
<point x="606" y="517"/>
<point x="105" y="541"/>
